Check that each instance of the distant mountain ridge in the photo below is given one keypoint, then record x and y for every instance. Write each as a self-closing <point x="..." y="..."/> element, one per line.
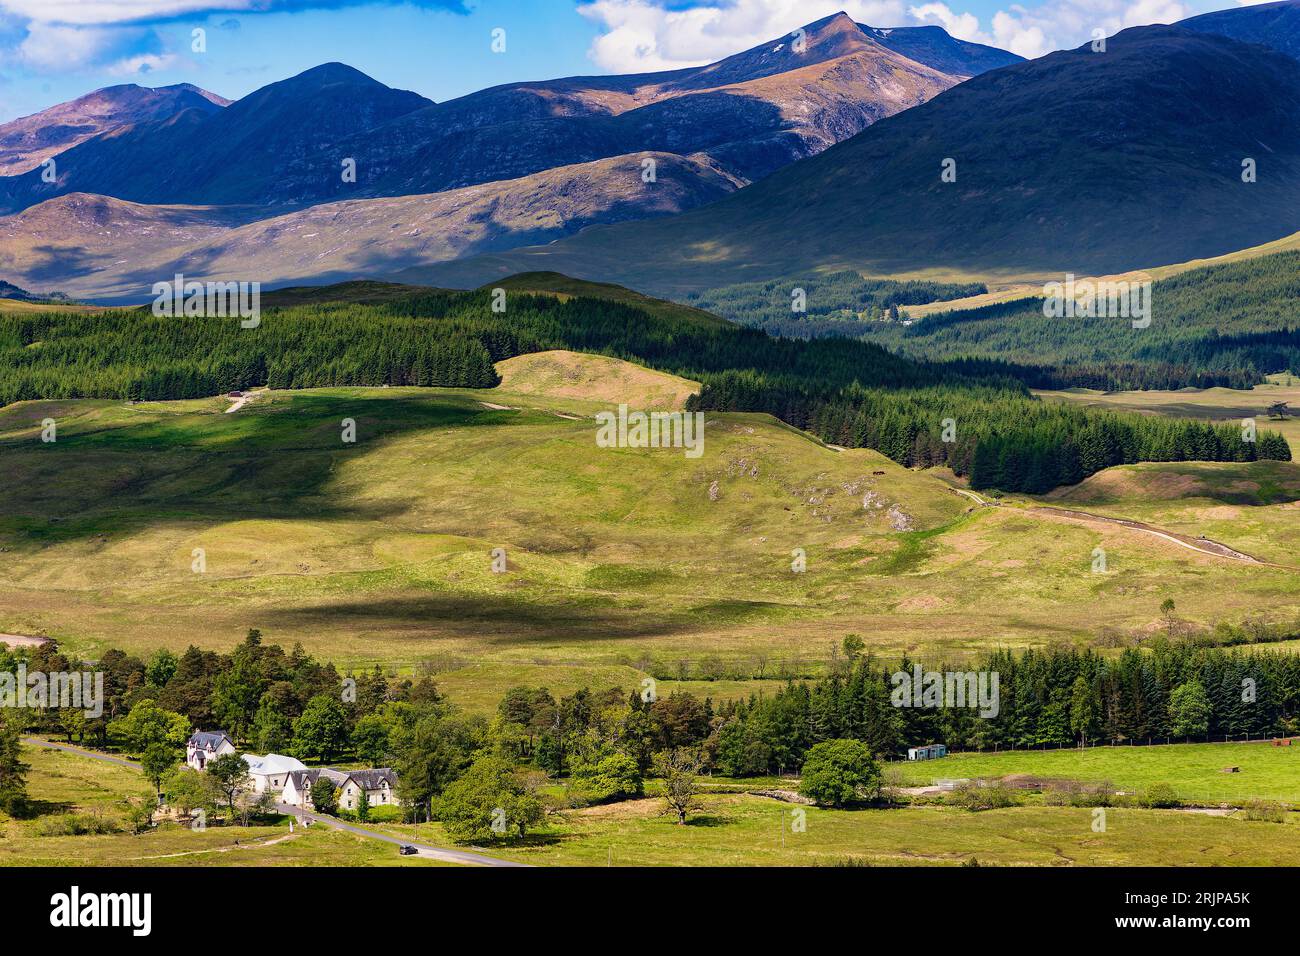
<point x="1078" y="161"/>
<point x="235" y="155"/>
<point x="27" y="142"/>
<point x="258" y="189"/>
<point x="752" y="112"/>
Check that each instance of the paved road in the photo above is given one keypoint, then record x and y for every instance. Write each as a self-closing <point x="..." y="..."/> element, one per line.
<point x="438" y="853"/>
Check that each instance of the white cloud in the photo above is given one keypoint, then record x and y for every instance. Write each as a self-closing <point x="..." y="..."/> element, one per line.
<point x="640" y="35"/>
<point x="964" y="26"/>
<point x="53" y="49"/>
<point x="98" y="12"/>
<point x="86" y="12"/>
<point x="1066" y="24"/>
<point x="143" y="63"/>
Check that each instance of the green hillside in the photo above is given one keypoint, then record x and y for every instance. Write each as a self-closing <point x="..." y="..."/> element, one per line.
<point x="380" y="550"/>
<point x="1230" y="324"/>
<point x="1227" y="324"/>
<point x="968" y="414"/>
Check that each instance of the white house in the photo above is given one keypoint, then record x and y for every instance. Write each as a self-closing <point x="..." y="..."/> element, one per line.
<point x="204" y="746"/>
<point x="272" y="771"/>
<point x="297" y="787"/>
<point x="379" y="786"/>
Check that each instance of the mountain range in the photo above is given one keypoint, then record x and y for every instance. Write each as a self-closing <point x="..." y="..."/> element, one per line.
<point x="1080" y="161"/>
<point x="514" y="164"/>
<point x="822" y="148"/>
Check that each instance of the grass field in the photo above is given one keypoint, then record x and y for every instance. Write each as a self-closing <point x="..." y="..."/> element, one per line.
<point x="731" y="829"/>
<point x="62" y="783"/>
<point x="742" y="830"/>
<point x="622" y="562"/>
<point x="1195" y="771"/>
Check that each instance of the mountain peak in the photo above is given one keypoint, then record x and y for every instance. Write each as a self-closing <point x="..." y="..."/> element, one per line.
<point x="333" y="72"/>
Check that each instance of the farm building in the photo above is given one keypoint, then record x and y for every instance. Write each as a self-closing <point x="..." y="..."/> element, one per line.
<point x="928" y="752"/>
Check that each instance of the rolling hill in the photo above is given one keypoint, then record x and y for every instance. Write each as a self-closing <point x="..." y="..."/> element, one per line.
<point x="111" y="250"/>
<point x="1078" y="162"/>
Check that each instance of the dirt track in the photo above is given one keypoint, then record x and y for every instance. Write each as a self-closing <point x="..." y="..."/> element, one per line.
<point x="1215" y="549"/>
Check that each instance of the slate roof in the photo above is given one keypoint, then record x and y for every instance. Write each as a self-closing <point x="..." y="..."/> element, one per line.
<point x="372" y="779"/>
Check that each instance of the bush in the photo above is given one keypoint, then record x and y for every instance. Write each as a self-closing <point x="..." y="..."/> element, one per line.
<point x="616" y="777"/>
<point x="1160" y="796"/>
<point x="1072" y="793"/>
<point x="973" y="796"/>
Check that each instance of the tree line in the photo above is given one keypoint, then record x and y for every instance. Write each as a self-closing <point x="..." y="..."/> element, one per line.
<point x="995" y="436"/>
<point x="834" y="304"/>
<point x="848" y="392"/>
<point x="1227" y="325"/>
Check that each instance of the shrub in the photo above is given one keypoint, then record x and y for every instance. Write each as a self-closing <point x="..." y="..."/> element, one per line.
<point x="1073" y="793"/>
<point x="1160" y="796"/>
<point x="616" y="777"/>
<point x="973" y="796"/>
<point x="837" y="772"/>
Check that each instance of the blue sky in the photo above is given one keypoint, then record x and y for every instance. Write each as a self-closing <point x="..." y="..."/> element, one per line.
<point x="55" y="50"/>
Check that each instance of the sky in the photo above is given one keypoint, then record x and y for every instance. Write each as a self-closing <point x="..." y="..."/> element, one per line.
<point x="56" y="50"/>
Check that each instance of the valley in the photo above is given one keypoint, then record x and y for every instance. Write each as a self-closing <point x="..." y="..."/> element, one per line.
<point x="709" y="461"/>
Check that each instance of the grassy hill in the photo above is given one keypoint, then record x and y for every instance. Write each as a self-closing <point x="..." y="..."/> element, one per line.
<point x="564" y="374"/>
<point x="380" y="550"/>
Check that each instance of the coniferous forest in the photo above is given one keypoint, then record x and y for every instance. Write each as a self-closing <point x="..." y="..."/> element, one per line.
<point x="974" y="415"/>
<point x="1054" y="697"/>
<point x="1227" y="325"/>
